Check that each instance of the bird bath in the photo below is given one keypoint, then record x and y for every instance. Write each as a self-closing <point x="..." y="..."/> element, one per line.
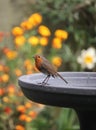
<point x="79" y="94"/>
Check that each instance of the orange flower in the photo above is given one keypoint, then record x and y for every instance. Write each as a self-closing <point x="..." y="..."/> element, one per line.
<point x="2" y="91"/>
<point x="26" y="25"/>
<point x="61" y="34"/>
<point x="33" y="114"/>
<point x="44" y="31"/>
<point x="6" y="99"/>
<point x="57" y="61"/>
<point x="11" y="89"/>
<point x="19" y="127"/>
<point x="28" y="119"/>
<point x="28" y="105"/>
<point x="22" y="117"/>
<point x="26" y="62"/>
<point x="43" y="41"/>
<point x="18" y="72"/>
<point x="28" y="65"/>
<point x="11" y="54"/>
<point x="19" y="40"/>
<point x="1" y="67"/>
<point x="1" y="36"/>
<point x="17" y="31"/>
<point x="29" y="72"/>
<point x="57" y="43"/>
<point x="5" y="78"/>
<point x="5" y="50"/>
<point x="33" y="40"/>
<point x="0" y="79"/>
<point x="21" y="108"/>
<point x="35" y="19"/>
<point x="7" y="110"/>
<point x="6" y="69"/>
<point x="20" y="94"/>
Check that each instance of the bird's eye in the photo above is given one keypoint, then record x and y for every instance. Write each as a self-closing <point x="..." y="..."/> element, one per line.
<point x="38" y="56"/>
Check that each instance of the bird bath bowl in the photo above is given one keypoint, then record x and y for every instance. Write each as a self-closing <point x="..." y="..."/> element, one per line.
<point x="79" y="94"/>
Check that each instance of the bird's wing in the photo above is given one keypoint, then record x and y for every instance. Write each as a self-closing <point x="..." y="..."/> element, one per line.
<point x="48" y="67"/>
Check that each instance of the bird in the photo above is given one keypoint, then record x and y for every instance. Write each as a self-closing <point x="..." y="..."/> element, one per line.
<point x="47" y="68"/>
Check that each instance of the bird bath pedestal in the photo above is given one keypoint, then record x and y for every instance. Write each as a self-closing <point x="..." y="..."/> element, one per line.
<point x="79" y="94"/>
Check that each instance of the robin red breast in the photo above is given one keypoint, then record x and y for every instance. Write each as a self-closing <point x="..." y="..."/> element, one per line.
<point x="44" y="66"/>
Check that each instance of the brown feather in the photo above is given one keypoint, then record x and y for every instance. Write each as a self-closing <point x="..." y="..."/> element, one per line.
<point x="61" y="77"/>
<point x="46" y="67"/>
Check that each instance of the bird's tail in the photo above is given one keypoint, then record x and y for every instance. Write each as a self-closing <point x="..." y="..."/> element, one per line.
<point x="62" y="78"/>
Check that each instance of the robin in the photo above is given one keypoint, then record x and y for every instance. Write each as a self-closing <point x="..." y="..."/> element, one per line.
<point x="44" y="66"/>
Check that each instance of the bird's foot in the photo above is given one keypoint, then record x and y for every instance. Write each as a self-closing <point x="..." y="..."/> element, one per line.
<point x="43" y="84"/>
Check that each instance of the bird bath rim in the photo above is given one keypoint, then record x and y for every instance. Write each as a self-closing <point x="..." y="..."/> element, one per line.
<point x="81" y="98"/>
<point x="79" y="83"/>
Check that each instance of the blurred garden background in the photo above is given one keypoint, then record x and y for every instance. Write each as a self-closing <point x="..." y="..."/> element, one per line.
<point x="64" y="31"/>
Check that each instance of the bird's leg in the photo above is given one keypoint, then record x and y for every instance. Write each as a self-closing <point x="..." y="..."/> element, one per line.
<point x="46" y="79"/>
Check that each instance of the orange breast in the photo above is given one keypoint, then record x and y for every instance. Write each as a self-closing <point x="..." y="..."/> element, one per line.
<point x="38" y="63"/>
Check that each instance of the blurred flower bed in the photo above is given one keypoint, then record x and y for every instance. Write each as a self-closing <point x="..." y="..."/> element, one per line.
<point x="69" y="49"/>
<point x="29" y="38"/>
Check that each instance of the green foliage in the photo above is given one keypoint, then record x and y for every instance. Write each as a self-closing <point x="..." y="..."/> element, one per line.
<point x="78" y="18"/>
<point x="67" y="120"/>
<point x="53" y="118"/>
